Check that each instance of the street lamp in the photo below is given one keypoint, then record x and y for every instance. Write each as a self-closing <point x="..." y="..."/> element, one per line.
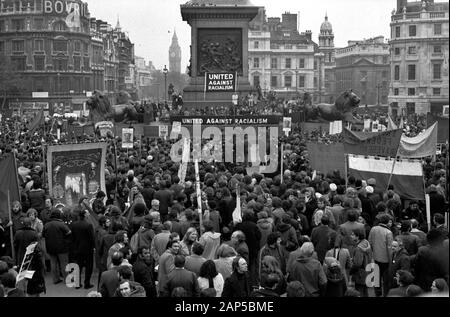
<point x="379" y="86"/>
<point x="165" y="71"/>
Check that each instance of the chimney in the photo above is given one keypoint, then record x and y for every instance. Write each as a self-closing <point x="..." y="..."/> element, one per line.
<point x="308" y="35"/>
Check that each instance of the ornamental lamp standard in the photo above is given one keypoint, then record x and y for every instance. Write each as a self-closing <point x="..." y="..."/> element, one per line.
<point x="165" y="71"/>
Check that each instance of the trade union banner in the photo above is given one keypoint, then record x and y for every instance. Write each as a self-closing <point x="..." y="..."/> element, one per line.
<point x="227" y="120"/>
<point x="372" y="143"/>
<point x="76" y="170"/>
<point x="219" y="82"/>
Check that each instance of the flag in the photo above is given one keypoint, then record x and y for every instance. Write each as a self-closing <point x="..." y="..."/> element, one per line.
<point x="407" y="176"/>
<point x="8" y="182"/>
<point x="37" y="121"/>
<point x="391" y="124"/>
<point x="419" y="146"/>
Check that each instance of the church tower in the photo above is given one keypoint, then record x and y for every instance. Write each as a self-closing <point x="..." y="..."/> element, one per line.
<point x="326" y="46"/>
<point x="175" y="55"/>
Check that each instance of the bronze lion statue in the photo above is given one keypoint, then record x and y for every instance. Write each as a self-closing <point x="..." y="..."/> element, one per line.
<point x="341" y="110"/>
<point x="100" y="108"/>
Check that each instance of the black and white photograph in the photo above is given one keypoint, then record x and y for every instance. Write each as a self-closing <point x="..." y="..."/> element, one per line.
<point x="242" y="150"/>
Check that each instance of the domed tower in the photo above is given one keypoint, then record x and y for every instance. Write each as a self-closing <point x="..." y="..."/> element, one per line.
<point x="326" y="46"/>
<point x="175" y="55"/>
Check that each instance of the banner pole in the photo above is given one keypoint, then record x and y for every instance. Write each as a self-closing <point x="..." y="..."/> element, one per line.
<point x="345" y="171"/>
<point x="11" y="234"/>
<point x="282" y="163"/>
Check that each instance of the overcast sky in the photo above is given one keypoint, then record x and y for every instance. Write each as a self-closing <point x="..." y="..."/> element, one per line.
<point x="148" y="22"/>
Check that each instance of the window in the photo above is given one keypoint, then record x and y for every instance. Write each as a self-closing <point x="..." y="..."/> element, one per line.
<point x="39" y="63"/>
<point x="436" y="91"/>
<point x="60" y="64"/>
<point x="38" y="24"/>
<point x="412" y="50"/>
<point x="397" y="31"/>
<point x="437" y="49"/>
<point x="18" y="24"/>
<point x="86" y="64"/>
<point x="385" y="60"/>
<point x="396" y="72"/>
<point x="411" y="72"/>
<point x="412" y="30"/>
<point x="39" y="45"/>
<point x="288" y="46"/>
<point x="315" y="82"/>
<point x="77" y="46"/>
<point x="256" y="44"/>
<point x="301" y="63"/>
<point x="256" y="62"/>
<point x="301" y="81"/>
<point x="397" y="51"/>
<point x="19" y="63"/>
<point x="273" y="81"/>
<point x="396" y="91"/>
<point x="2" y="47"/>
<point x="437" y="29"/>
<point x="256" y="81"/>
<point x="411" y="91"/>
<point x="18" y="46"/>
<point x="59" y="26"/>
<point x="59" y="46"/>
<point x="273" y="63"/>
<point x="363" y="75"/>
<point x="86" y="47"/>
<point x="410" y="108"/>
<point x="437" y="71"/>
<point x="2" y="26"/>
<point x="76" y="63"/>
<point x="288" y="81"/>
<point x="288" y="63"/>
<point x="315" y="64"/>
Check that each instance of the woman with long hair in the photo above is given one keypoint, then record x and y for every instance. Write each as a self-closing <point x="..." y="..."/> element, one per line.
<point x="225" y="255"/>
<point x="189" y="238"/>
<point x="270" y="265"/>
<point x="210" y="278"/>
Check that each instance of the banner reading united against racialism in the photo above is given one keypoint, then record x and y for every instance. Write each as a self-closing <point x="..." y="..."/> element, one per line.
<point x="76" y="170"/>
<point x="220" y="82"/>
<point x="372" y="143"/>
<point x="228" y="120"/>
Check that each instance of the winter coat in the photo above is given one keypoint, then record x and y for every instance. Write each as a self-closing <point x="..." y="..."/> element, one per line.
<point x="276" y="252"/>
<point x="37" y="199"/>
<point x="400" y="261"/>
<point x="380" y="239"/>
<point x="321" y="237"/>
<point x="342" y="255"/>
<point x="237" y="285"/>
<point x="83" y="237"/>
<point x="194" y="263"/>
<point x="310" y="273"/>
<point x="224" y="266"/>
<point x="336" y="285"/>
<point x="36" y="285"/>
<point x="431" y="262"/>
<point x="143" y="274"/>
<point x="288" y="236"/>
<point x="181" y="277"/>
<point x="252" y="236"/>
<point x="159" y="244"/>
<point x="362" y="256"/>
<point x="345" y="230"/>
<point x="210" y="241"/>
<point x="165" y="267"/>
<point x="22" y="239"/>
<point x="410" y="242"/>
<point x="265" y="228"/>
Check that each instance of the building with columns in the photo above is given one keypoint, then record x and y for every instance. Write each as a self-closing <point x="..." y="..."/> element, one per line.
<point x="364" y="67"/>
<point x="419" y="57"/>
<point x="175" y="55"/>
<point x="280" y="58"/>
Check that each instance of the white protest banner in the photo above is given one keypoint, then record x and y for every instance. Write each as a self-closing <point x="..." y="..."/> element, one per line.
<point x="184" y="160"/>
<point x="104" y="127"/>
<point x="127" y="138"/>
<point x="237" y="215"/>
<point x="176" y="127"/>
<point x="287" y="125"/>
<point x="23" y="272"/>
<point x="428" y="210"/>
<point x="199" y="192"/>
<point x="163" y="131"/>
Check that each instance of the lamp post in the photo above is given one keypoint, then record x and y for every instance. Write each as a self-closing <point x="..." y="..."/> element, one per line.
<point x="378" y="94"/>
<point x="165" y="71"/>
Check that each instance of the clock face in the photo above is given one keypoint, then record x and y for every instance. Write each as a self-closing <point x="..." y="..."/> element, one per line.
<point x="172" y="54"/>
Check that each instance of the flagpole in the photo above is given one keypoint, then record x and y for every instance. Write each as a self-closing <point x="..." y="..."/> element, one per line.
<point x="11" y="234"/>
<point x="345" y="170"/>
<point x="282" y="162"/>
<point x="392" y="171"/>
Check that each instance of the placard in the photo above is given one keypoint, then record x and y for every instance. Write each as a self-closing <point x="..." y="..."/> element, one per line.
<point x="127" y="138"/>
<point x="220" y="82"/>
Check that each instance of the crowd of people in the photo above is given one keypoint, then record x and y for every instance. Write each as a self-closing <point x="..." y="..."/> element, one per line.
<point x="297" y="234"/>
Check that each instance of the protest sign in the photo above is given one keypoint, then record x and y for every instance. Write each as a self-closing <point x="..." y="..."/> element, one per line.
<point x="23" y="272"/>
<point x="220" y="82"/>
<point x="163" y="131"/>
<point x="370" y="143"/>
<point x="104" y="128"/>
<point x="127" y="138"/>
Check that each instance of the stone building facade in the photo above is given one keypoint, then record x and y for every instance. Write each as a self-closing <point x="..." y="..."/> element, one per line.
<point x="419" y="57"/>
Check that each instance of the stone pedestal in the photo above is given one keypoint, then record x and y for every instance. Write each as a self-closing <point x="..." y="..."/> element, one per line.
<point x="219" y="43"/>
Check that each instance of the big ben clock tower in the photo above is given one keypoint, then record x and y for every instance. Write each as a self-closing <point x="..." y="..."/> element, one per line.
<point x="175" y="55"/>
